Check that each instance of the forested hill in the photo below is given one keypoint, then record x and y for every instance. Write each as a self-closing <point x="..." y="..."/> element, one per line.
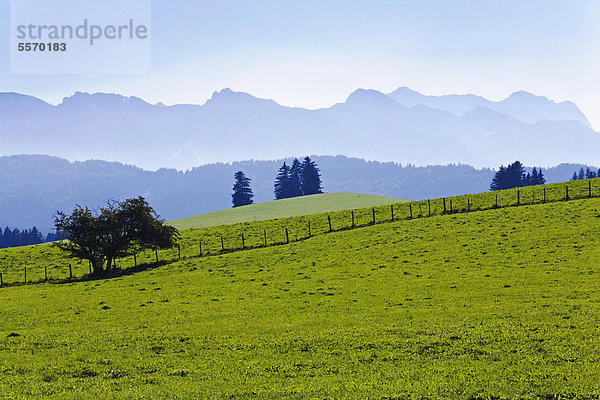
<point x="34" y="187"/>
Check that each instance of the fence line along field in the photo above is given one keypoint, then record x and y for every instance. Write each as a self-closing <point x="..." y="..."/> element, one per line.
<point x="292" y="207"/>
<point x="43" y="262"/>
<point x="496" y="304"/>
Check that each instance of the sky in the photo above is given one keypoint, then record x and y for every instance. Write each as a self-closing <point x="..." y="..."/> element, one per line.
<point x="313" y="54"/>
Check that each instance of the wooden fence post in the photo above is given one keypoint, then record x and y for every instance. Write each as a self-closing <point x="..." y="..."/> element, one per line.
<point x="544" y="195"/>
<point x="429" y="205"/>
<point x="496" y="200"/>
<point x="450" y="206"/>
<point x="410" y="208"/>
<point x="329" y="221"/>
<point x="309" y="233"/>
<point x="222" y="245"/>
<point x="178" y="251"/>
<point x="590" y="189"/>
<point x="134" y="262"/>
<point x="265" y="237"/>
<point x="518" y="198"/>
<point x="243" y="242"/>
<point x="90" y="264"/>
<point x="25" y="269"/>
<point x="45" y="274"/>
<point x="70" y="272"/>
<point x="373" y="215"/>
<point x="468" y="205"/>
<point x="444" y="200"/>
<point x="392" y="208"/>
<point x="287" y="236"/>
<point x="1" y="280"/>
<point x="352" y="212"/>
<point x="156" y="253"/>
<point x="567" y="198"/>
<point x="200" y="249"/>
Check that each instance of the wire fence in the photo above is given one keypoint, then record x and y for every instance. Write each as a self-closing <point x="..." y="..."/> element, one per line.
<point x="35" y="264"/>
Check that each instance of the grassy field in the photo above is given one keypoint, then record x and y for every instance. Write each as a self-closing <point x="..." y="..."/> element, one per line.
<point x="305" y="205"/>
<point x="36" y="262"/>
<point x="495" y="304"/>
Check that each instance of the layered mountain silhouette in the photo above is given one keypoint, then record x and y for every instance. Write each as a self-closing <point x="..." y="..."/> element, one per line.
<point x="522" y="105"/>
<point x="403" y="126"/>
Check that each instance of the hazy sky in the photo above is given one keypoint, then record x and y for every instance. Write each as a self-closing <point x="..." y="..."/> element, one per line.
<point x="314" y="53"/>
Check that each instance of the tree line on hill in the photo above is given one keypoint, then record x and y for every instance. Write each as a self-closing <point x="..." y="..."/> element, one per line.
<point x="587" y="174"/>
<point x="514" y="176"/>
<point x="301" y="179"/>
<point x="15" y="237"/>
<point x="179" y="194"/>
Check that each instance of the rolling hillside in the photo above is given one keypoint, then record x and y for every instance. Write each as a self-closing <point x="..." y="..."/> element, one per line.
<point x="501" y="303"/>
<point x="305" y="205"/>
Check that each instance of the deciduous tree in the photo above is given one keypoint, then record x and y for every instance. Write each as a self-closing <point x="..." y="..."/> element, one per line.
<point x="116" y="230"/>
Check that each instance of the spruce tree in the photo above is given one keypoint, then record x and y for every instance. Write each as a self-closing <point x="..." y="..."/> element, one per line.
<point x="242" y="193"/>
<point x="295" y="179"/>
<point x="534" y="177"/>
<point x="540" y="179"/>
<point x="499" y="180"/>
<point x="574" y="177"/>
<point x="589" y="174"/>
<point x="311" y="179"/>
<point x="510" y="177"/>
<point x="282" y="182"/>
<point x="581" y="174"/>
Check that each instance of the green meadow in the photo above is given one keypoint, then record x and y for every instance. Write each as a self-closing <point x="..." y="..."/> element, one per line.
<point x="499" y="303"/>
<point x="297" y="206"/>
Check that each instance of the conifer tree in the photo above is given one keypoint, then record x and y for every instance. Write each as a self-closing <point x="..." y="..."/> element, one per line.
<point x="574" y="177"/>
<point x="581" y="174"/>
<point x="534" y="177"/>
<point x="282" y="182"/>
<point x="589" y="174"/>
<point x="540" y="179"/>
<point x="311" y="179"/>
<point x="242" y="193"/>
<point x="295" y="179"/>
<point x="510" y="177"/>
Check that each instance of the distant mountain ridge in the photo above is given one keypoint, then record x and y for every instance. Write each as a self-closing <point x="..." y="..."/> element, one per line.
<point x="522" y="105"/>
<point x="403" y="126"/>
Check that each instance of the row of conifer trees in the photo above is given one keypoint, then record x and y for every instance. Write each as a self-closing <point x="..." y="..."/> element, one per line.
<point x="587" y="174"/>
<point x="15" y="237"/>
<point x="301" y="179"/>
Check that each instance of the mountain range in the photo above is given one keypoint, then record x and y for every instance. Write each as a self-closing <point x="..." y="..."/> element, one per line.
<point x="403" y="126"/>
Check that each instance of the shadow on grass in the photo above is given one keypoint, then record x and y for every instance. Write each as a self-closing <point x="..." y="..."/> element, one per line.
<point x="113" y="273"/>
